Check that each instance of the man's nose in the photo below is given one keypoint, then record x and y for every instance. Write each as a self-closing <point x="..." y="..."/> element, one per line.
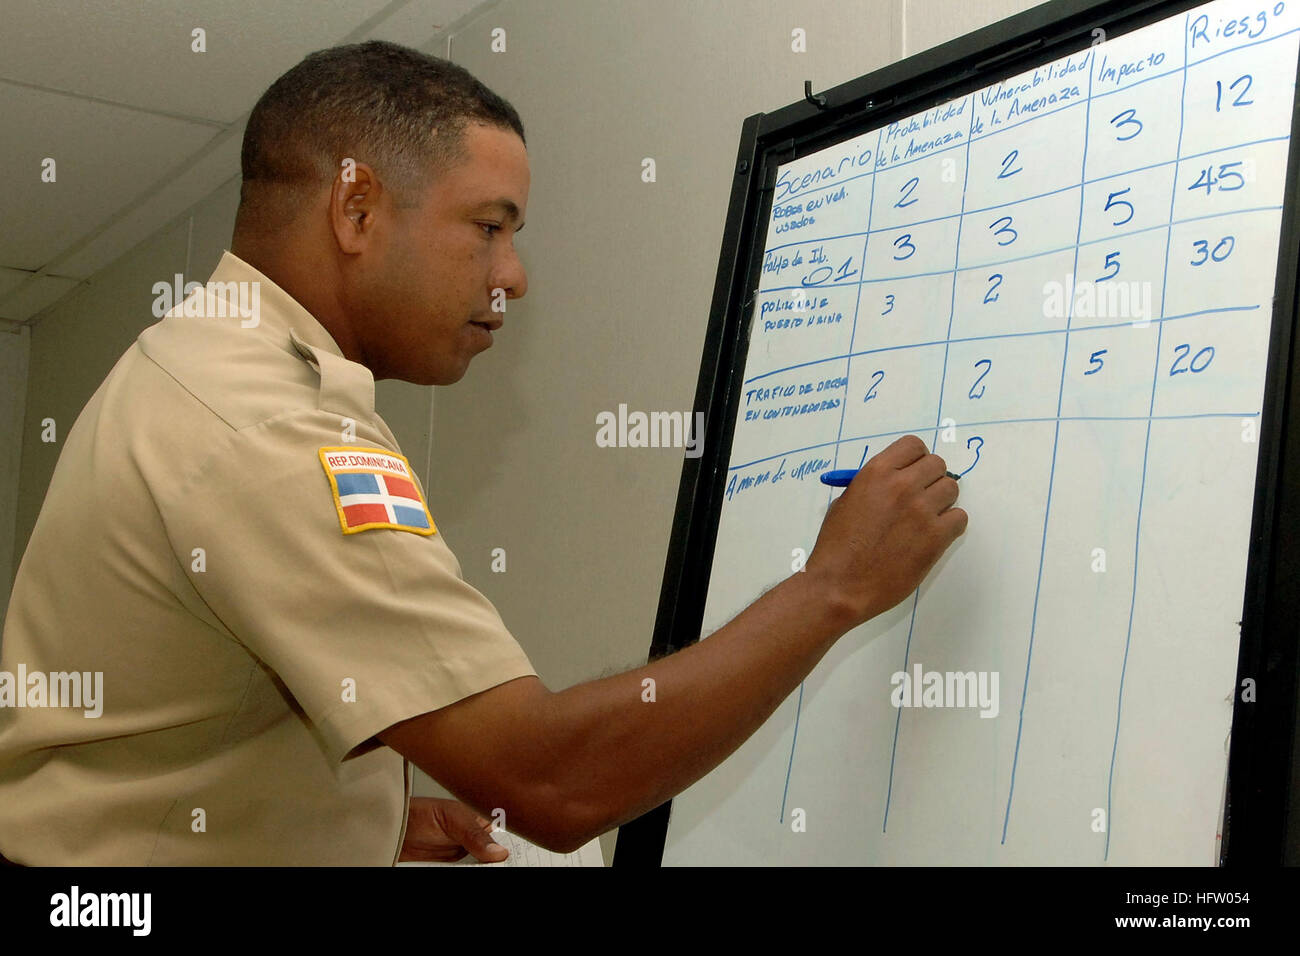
<point x="513" y="278"/>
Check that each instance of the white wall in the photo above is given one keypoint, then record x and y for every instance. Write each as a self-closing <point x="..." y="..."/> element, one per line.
<point x="15" y="349"/>
<point x="620" y="278"/>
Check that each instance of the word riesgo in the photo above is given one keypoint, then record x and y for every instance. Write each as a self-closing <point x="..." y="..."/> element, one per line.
<point x="657" y="430"/>
<point x="103" y="909"/>
<point x="946" y="689"/>
<point x="58" y="689"/>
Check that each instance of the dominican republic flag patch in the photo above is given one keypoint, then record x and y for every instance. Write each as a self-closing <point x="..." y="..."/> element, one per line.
<point x="374" y="488"/>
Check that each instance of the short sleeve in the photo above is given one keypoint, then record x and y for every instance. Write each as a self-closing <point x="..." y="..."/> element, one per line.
<point x="365" y="628"/>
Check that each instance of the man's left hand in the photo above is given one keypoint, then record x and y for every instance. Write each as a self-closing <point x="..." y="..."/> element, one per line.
<point x="442" y="831"/>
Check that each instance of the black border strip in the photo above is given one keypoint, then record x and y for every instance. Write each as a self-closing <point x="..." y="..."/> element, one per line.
<point x="1261" y="811"/>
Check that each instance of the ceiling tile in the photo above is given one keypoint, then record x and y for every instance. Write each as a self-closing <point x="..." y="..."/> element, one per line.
<point x="215" y="166"/>
<point x="139" y="52"/>
<point x="36" y="296"/>
<point x="10" y="279"/>
<point x="419" y="21"/>
<point x="156" y="107"/>
<point x="105" y="157"/>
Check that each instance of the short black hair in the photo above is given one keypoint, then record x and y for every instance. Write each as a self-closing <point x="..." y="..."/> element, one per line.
<point x="401" y="111"/>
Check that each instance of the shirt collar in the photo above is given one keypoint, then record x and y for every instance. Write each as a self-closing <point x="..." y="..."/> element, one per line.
<point x="277" y="309"/>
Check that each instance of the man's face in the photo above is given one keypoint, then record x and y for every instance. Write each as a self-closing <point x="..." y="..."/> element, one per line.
<point x="440" y="262"/>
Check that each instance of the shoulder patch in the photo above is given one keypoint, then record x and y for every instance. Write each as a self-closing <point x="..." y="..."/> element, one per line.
<point x="374" y="488"/>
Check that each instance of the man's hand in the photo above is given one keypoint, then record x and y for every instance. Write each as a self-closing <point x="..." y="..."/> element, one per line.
<point x="441" y="831"/>
<point x="883" y="535"/>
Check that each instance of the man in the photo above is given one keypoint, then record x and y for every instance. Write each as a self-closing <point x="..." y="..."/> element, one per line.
<point x="233" y="538"/>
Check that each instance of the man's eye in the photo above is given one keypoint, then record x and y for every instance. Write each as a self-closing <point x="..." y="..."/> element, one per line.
<point x="490" y="226"/>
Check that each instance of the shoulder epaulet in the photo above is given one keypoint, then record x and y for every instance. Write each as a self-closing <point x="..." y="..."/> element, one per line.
<point x="346" y="388"/>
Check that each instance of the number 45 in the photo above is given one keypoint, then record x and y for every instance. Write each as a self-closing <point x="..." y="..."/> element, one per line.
<point x="1208" y="181"/>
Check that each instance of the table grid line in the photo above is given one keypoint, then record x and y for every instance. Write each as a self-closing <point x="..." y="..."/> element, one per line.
<point x="994" y="263"/>
<point x="848" y="366"/>
<point x="943" y="378"/>
<point x="1175" y="164"/>
<point x="1087" y="182"/>
<point x="1029" y="119"/>
<point x="1142" y="485"/>
<point x="1005" y="335"/>
<point x="1010" y="202"/>
<point x="997" y="421"/>
<point x="1051" y="483"/>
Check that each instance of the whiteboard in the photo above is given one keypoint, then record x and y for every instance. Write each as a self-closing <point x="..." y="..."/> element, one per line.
<point x="1063" y="282"/>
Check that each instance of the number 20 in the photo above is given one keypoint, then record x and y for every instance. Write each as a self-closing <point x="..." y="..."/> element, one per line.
<point x="1182" y="351"/>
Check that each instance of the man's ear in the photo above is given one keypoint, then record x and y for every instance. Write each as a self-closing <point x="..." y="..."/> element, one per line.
<point x="354" y="206"/>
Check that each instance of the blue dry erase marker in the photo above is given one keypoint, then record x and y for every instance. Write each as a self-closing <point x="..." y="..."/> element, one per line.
<point x="841" y="477"/>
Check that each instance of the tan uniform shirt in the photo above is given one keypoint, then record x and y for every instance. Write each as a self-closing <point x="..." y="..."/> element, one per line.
<point x="232" y="538"/>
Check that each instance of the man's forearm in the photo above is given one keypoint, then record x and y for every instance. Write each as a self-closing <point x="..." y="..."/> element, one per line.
<point x="618" y="754"/>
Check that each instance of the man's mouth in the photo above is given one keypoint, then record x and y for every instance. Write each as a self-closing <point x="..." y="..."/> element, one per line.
<point x="491" y="325"/>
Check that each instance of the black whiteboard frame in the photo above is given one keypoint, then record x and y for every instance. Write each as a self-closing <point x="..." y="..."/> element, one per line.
<point x="1262" y="811"/>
